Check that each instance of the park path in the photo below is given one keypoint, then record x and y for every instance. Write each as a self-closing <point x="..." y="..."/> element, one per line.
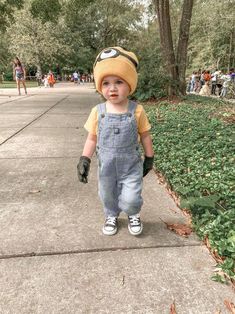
<point x="53" y="255"/>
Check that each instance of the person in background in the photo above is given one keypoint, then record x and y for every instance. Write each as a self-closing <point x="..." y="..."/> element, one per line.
<point x="226" y="80"/>
<point x="51" y="79"/>
<point x="45" y="80"/>
<point x="219" y="83"/>
<point x="75" y="77"/>
<point x="83" y="78"/>
<point x="214" y="79"/>
<point x="193" y="81"/>
<point x="188" y="84"/>
<point x="232" y="75"/>
<point x="197" y="85"/>
<point x="207" y="76"/>
<point x="19" y="74"/>
<point x="202" y="80"/>
<point x="39" y="77"/>
<point x="205" y="90"/>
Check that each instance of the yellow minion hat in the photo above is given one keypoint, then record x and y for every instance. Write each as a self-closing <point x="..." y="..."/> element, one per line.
<point x="116" y="61"/>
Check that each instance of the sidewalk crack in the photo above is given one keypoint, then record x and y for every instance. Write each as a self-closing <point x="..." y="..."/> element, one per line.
<point x="97" y="250"/>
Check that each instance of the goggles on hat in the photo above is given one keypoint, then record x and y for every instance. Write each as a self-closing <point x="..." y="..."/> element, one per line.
<point x="114" y="53"/>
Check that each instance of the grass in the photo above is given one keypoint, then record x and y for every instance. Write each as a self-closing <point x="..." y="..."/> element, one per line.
<point x="12" y="84"/>
<point x="192" y="141"/>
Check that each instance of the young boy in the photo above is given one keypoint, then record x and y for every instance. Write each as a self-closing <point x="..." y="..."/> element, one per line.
<point x="114" y="130"/>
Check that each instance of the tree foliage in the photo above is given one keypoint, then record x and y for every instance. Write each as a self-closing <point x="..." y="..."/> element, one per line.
<point x="34" y="42"/>
<point x="97" y="24"/>
<point x="212" y="40"/>
<point x="46" y="10"/>
<point x="103" y="23"/>
<point x="153" y="78"/>
<point x="71" y="32"/>
<point x="6" y="11"/>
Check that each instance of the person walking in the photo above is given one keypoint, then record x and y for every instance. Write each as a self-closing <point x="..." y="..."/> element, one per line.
<point x="214" y="80"/>
<point x="83" y="77"/>
<point x="19" y="74"/>
<point x="51" y="79"/>
<point x="114" y="130"/>
<point x="207" y="76"/>
<point x="226" y="80"/>
<point x="38" y="76"/>
<point x="193" y="81"/>
<point x="202" y="80"/>
<point x="75" y="77"/>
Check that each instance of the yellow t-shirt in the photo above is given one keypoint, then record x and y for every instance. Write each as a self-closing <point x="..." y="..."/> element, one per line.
<point x="143" y="124"/>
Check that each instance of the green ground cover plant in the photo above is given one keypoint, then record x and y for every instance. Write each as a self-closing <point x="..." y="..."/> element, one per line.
<point x="194" y="150"/>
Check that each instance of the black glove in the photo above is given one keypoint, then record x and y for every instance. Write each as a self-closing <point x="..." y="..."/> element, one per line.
<point x="148" y="165"/>
<point x="83" y="168"/>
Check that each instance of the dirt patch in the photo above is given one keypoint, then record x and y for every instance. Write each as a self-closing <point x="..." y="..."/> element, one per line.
<point x="227" y="114"/>
<point x="170" y="100"/>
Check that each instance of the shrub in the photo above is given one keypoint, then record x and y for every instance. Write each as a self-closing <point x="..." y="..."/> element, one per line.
<point x="153" y="78"/>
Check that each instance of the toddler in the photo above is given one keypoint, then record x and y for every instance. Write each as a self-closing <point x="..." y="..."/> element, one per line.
<point x="205" y="90"/>
<point x="115" y="128"/>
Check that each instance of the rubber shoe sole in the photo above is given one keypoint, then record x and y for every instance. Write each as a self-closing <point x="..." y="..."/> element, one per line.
<point x="135" y="233"/>
<point x="109" y="232"/>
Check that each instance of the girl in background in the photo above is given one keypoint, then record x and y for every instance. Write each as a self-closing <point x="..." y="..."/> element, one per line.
<point x="19" y="74"/>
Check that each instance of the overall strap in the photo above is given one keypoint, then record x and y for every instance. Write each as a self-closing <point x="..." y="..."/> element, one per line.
<point x="132" y="107"/>
<point x="101" y="108"/>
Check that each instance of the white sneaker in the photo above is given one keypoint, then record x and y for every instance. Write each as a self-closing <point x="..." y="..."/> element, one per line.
<point x="135" y="225"/>
<point x="110" y="226"/>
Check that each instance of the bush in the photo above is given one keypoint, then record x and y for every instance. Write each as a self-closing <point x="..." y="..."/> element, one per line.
<point x="152" y="79"/>
<point x="8" y="76"/>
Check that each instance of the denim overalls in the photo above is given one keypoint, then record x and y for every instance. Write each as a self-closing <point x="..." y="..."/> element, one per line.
<point x="120" y="172"/>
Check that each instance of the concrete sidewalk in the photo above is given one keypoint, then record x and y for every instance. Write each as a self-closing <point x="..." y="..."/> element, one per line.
<point x="53" y="255"/>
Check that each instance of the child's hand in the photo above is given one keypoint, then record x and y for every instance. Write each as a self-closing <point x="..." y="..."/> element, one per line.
<point x="148" y="165"/>
<point x="83" y="168"/>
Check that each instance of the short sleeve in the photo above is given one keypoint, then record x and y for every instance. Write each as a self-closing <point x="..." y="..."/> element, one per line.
<point x="142" y="120"/>
<point x="92" y="122"/>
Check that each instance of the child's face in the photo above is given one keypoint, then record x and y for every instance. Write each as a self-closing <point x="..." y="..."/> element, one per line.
<point x="115" y="90"/>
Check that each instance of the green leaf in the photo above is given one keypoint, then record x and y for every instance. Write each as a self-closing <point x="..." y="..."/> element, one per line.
<point x="219" y="278"/>
<point x="207" y="201"/>
<point x="183" y="190"/>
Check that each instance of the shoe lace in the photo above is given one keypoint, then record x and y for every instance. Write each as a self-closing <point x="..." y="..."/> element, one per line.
<point x="134" y="220"/>
<point x="111" y="220"/>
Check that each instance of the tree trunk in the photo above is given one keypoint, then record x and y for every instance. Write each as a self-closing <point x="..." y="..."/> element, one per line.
<point x="176" y="65"/>
<point x="39" y="69"/>
<point x="163" y="14"/>
<point x="230" y="56"/>
<point x="183" y="43"/>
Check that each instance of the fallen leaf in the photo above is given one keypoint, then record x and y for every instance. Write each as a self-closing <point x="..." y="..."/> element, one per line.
<point x="181" y="229"/>
<point x="173" y="310"/>
<point x="214" y="254"/>
<point x="230" y="306"/>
